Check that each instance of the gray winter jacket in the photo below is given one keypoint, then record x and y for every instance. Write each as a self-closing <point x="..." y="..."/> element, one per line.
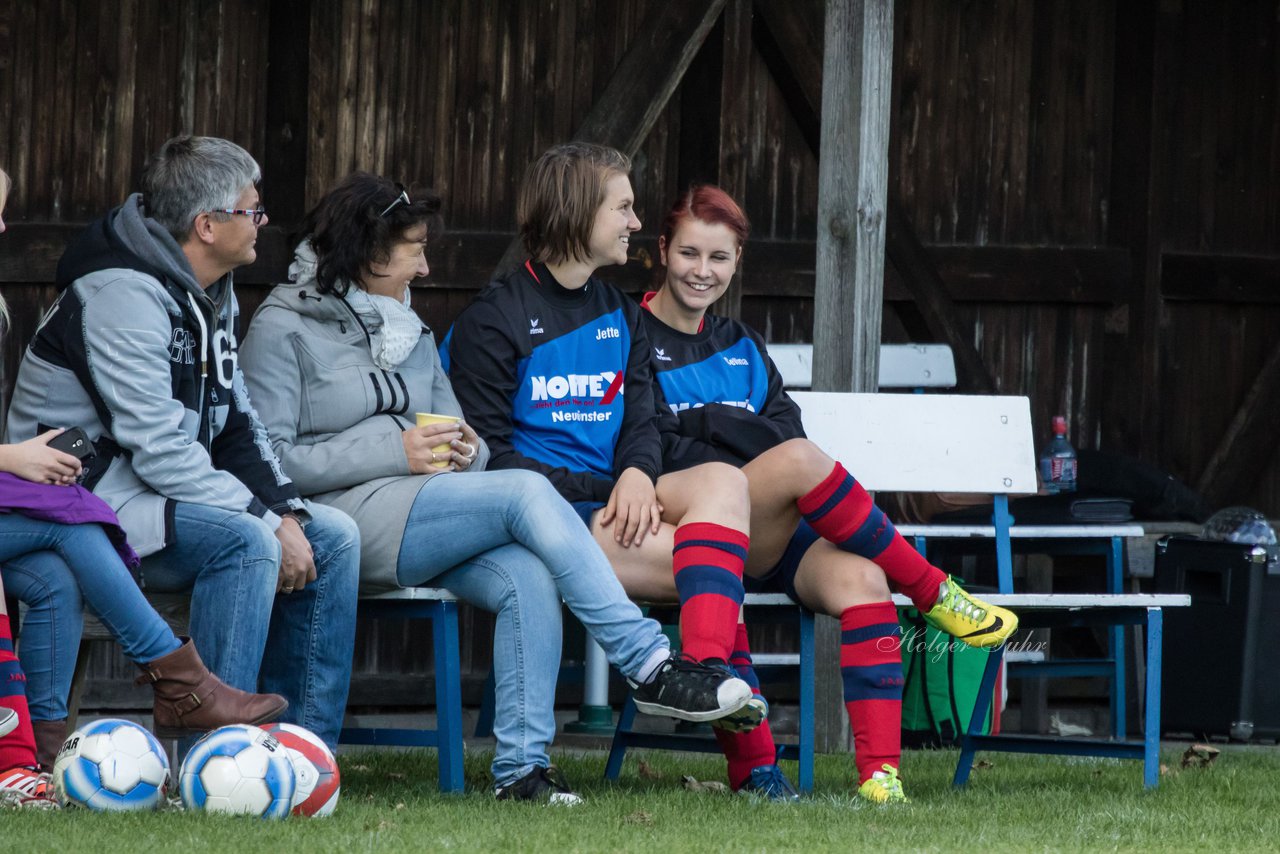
<point x="336" y="419"/>
<point x="144" y="359"/>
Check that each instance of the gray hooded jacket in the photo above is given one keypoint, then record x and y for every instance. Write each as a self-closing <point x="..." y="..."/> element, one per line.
<point x="144" y="359"/>
<point x="336" y="419"/>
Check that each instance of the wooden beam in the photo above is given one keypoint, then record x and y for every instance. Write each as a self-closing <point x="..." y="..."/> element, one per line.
<point x="1220" y="278"/>
<point x="921" y="279"/>
<point x="852" y="187"/>
<point x="785" y="43"/>
<point x="784" y="37"/>
<point x="1249" y="442"/>
<point x="637" y="93"/>
<point x="853" y="177"/>
<point x="29" y="254"/>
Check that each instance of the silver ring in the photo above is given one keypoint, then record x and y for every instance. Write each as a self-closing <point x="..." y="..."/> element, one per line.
<point x="286" y="589"/>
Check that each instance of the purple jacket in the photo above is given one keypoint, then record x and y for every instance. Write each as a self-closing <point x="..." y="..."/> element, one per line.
<point x="67" y="505"/>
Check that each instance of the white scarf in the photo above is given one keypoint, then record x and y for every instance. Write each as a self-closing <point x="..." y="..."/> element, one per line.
<point x="394" y="327"/>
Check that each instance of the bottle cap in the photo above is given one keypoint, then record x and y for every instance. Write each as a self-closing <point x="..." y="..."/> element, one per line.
<point x="1060" y="424"/>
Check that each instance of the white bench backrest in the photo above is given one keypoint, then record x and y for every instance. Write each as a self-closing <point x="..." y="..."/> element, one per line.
<point x="926" y="442"/>
<point x="901" y="365"/>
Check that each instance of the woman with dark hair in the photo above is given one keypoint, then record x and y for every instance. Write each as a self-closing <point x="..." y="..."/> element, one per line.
<point x="338" y="364"/>
<point x="817" y="535"/>
<point x="62" y="548"/>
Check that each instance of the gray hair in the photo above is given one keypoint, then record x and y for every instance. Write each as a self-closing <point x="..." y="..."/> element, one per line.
<point x="193" y="174"/>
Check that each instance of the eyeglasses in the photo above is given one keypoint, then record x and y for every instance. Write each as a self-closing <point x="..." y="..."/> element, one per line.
<point x="402" y="199"/>
<point x="257" y="213"/>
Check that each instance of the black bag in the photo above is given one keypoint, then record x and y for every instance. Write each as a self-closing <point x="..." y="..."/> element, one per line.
<point x="1220" y="676"/>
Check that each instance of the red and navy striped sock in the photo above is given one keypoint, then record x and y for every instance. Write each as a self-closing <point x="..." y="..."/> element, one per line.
<point x="707" y="561"/>
<point x="842" y="512"/>
<point x="871" y="666"/>
<point x="746" y="751"/>
<point x="18" y="747"/>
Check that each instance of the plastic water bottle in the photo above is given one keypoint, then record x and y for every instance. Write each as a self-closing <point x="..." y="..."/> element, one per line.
<point x="1058" y="462"/>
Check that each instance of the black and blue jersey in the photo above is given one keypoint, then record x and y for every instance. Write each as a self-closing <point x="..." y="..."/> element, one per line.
<point x="722" y="395"/>
<point x="557" y="380"/>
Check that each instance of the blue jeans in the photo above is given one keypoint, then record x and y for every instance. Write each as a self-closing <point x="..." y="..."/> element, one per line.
<point x="507" y="542"/>
<point x="56" y="569"/>
<point x="298" y="644"/>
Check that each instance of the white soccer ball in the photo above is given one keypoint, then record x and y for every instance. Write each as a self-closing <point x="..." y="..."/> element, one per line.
<point x="238" y="769"/>
<point x="111" y="764"/>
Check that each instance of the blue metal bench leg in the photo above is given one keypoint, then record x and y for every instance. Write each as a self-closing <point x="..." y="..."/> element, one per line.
<point x="444" y="625"/>
<point x="980" y="706"/>
<point x="807" y="667"/>
<point x="1119" y="700"/>
<point x="618" y="751"/>
<point x="1151" y="734"/>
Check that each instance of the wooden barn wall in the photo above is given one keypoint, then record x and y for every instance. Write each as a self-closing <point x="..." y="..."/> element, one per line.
<point x="1218" y="73"/>
<point x="1020" y="130"/>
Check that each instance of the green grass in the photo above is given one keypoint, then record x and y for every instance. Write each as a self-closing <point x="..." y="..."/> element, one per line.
<point x="389" y="803"/>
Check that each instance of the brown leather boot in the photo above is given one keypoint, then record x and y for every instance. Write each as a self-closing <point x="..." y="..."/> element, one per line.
<point x="49" y="738"/>
<point x="191" y="699"/>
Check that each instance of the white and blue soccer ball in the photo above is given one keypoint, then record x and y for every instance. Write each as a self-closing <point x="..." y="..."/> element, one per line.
<point x="110" y="765"/>
<point x="238" y="769"/>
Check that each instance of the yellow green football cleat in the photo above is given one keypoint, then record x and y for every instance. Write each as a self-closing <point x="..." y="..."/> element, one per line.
<point x="884" y="787"/>
<point x="969" y="619"/>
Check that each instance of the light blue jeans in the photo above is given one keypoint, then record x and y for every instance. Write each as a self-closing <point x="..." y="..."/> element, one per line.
<point x="298" y="644"/>
<point x="56" y="569"/>
<point x="507" y="542"/>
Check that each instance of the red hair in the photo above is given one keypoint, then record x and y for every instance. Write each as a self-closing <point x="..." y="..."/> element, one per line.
<point x="707" y="203"/>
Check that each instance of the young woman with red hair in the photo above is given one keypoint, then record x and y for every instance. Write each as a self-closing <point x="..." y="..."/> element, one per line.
<point x="815" y="532"/>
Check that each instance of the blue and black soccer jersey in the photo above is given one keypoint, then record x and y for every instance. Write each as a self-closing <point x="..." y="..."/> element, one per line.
<point x="723" y="395"/>
<point x="557" y="380"/>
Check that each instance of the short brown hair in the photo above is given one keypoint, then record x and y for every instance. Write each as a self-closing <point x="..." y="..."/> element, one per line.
<point x="559" y="198"/>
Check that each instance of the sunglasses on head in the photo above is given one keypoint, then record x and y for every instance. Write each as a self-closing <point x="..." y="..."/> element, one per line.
<point x="402" y="199"/>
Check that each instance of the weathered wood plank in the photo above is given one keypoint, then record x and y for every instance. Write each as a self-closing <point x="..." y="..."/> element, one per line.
<point x="284" y="159"/>
<point x="735" y="121"/>
<point x="641" y="85"/>
<point x="1251" y="437"/>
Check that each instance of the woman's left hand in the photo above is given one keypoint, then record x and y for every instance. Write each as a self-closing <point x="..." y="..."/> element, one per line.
<point x="465" y="449"/>
<point x="35" y="461"/>
<point x="632" y="509"/>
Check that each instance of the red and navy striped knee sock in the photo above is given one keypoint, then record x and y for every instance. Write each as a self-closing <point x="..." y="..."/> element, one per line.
<point x="707" y="561"/>
<point x="18" y="747"/>
<point x="746" y="750"/>
<point x="871" y="666"/>
<point x="841" y="511"/>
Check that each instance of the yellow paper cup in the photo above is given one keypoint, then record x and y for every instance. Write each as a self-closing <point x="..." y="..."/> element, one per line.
<point x="425" y="418"/>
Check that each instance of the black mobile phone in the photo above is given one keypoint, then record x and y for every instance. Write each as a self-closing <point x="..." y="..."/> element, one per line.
<point x="74" y="442"/>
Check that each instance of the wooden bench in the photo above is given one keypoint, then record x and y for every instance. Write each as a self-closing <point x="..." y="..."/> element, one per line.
<point x="413" y="603"/>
